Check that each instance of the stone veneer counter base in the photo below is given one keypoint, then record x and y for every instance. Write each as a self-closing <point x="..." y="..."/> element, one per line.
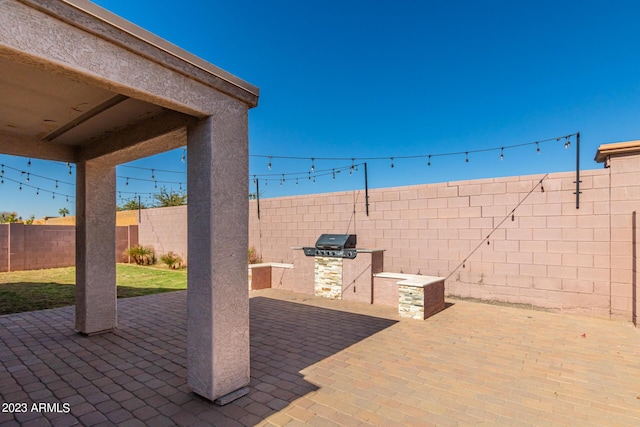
<point x="419" y="297"/>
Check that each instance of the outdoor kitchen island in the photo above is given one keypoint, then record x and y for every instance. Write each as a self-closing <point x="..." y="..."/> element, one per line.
<point x="341" y="271"/>
<point x="336" y="269"/>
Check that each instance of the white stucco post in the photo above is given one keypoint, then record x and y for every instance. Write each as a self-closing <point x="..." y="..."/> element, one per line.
<point x="95" y="247"/>
<point x="218" y="296"/>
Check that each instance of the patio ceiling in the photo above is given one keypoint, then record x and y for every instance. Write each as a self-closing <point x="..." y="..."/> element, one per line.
<point x="57" y="105"/>
<point x="43" y="112"/>
<point x="57" y="109"/>
<point x="60" y="110"/>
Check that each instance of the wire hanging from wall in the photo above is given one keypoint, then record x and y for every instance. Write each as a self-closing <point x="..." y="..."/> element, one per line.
<point x="486" y="239"/>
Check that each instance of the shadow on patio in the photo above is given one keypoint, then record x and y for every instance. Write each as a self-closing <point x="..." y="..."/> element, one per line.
<point x="137" y="375"/>
<point x="324" y="362"/>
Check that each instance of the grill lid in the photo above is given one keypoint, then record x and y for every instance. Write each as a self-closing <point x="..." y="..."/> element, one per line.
<point x="336" y="241"/>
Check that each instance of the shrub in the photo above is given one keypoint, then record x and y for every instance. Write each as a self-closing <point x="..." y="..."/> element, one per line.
<point x="253" y="256"/>
<point x="142" y="255"/>
<point x="172" y="260"/>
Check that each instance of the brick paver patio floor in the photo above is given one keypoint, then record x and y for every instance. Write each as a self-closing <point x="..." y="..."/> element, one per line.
<point x="321" y="362"/>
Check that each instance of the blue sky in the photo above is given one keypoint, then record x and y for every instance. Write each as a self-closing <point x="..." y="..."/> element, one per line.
<point x="362" y="79"/>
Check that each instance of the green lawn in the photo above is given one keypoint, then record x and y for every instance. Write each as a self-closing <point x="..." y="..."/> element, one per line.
<point x="41" y="289"/>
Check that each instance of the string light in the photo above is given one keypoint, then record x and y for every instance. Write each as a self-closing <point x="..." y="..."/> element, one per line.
<point x="352" y="166"/>
<point x="22" y="185"/>
<point x="155" y="182"/>
<point x="420" y="156"/>
<point x="148" y="169"/>
<point x="280" y="176"/>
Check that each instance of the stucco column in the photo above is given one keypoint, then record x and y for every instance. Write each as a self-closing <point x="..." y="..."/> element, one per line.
<point x="218" y="296"/>
<point x="95" y="247"/>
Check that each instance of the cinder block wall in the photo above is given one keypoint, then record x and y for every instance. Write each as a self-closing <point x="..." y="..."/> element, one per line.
<point x="47" y="246"/>
<point x="123" y="218"/>
<point x="165" y="229"/>
<point x="126" y="237"/>
<point x="549" y="254"/>
<point x="624" y="206"/>
<point x="34" y="247"/>
<point x="4" y="247"/>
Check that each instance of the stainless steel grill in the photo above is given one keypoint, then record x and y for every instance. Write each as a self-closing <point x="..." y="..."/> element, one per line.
<point x="334" y="245"/>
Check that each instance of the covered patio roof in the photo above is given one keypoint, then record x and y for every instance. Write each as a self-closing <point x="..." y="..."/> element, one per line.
<point x="81" y="85"/>
<point x="95" y="78"/>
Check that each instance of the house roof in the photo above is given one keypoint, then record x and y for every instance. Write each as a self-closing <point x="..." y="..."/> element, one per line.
<point x="617" y="149"/>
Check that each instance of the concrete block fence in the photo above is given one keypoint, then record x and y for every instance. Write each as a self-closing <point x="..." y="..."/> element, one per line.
<point x="34" y="247"/>
<point x="165" y="229"/>
<point x="549" y="254"/>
